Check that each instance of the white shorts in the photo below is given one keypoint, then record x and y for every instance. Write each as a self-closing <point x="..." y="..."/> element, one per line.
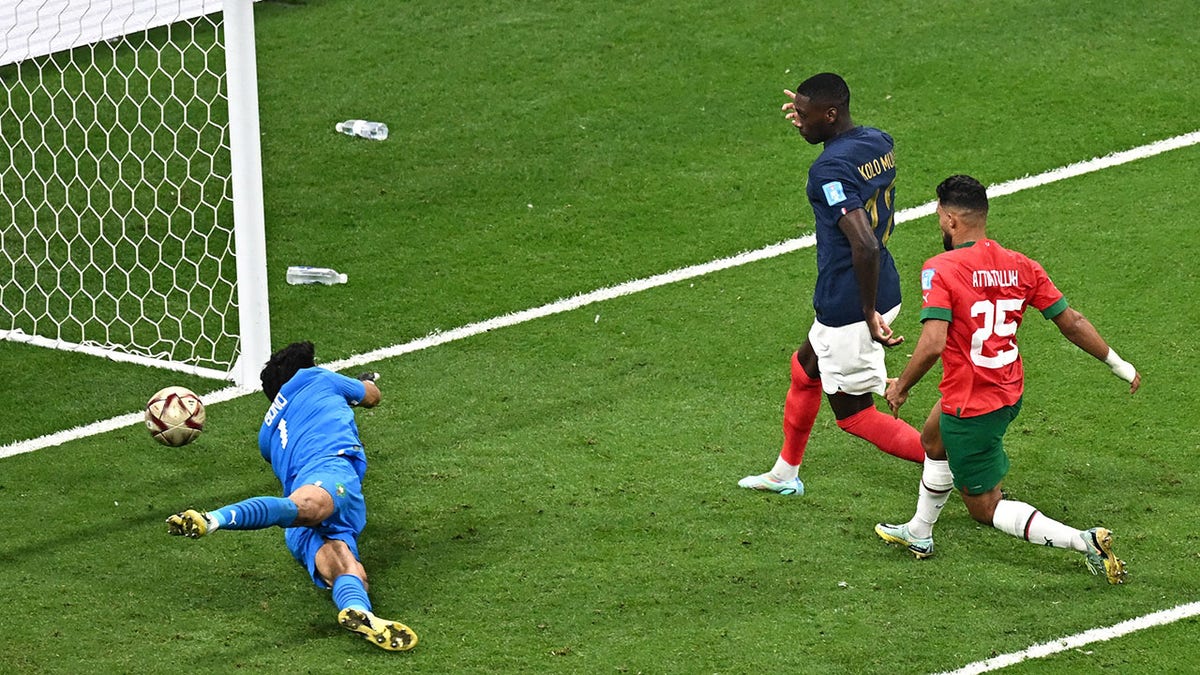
<point x="849" y="360"/>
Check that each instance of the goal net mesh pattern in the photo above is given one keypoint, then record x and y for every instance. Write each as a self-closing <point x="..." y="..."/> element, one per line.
<point x="116" y="220"/>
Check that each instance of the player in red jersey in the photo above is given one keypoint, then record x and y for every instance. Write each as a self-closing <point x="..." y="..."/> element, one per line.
<point x="975" y="296"/>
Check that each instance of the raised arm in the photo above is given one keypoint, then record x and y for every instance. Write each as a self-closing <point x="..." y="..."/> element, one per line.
<point x="1075" y="327"/>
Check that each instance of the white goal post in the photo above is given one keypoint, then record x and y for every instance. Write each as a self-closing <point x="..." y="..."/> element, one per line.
<point x="131" y="221"/>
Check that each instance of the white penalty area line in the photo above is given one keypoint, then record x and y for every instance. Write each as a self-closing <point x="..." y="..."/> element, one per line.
<point x="1085" y="638"/>
<point x="628" y="288"/>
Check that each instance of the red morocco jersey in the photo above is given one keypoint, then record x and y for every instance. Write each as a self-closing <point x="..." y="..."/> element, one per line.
<point x="982" y="289"/>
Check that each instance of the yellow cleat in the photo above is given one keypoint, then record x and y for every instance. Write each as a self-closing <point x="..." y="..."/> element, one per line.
<point x="390" y="635"/>
<point x="190" y="523"/>
<point x="1100" y="556"/>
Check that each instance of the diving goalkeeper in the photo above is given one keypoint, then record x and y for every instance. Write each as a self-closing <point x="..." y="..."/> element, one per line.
<point x="310" y="439"/>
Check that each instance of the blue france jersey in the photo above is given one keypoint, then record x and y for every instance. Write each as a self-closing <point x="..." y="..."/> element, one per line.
<point x="855" y="170"/>
<point x="311" y="420"/>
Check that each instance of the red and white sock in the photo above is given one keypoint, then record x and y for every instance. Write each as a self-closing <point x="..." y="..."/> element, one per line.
<point x="1025" y="522"/>
<point x="799" y="413"/>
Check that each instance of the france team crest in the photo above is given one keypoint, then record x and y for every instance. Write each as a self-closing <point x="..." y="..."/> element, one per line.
<point x="834" y="194"/>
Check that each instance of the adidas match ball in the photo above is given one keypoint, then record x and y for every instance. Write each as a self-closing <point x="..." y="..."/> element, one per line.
<point x="175" y="416"/>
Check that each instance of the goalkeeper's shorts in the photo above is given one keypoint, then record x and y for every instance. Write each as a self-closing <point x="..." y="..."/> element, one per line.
<point x="336" y="476"/>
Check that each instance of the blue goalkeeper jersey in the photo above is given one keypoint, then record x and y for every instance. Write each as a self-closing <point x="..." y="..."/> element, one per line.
<point x="856" y="170"/>
<point x="311" y="420"/>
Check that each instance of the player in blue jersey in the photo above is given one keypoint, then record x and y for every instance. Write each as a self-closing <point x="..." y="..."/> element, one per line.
<point x="311" y="441"/>
<point x="851" y="188"/>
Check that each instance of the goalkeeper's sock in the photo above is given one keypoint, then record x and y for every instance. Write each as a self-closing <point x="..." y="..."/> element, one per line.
<point x="891" y="435"/>
<point x="256" y="513"/>
<point x="1023" y="521"/>
<point x="349" y="592"/>
<point x="936" y="484"/>
<point x="799" y="412"/>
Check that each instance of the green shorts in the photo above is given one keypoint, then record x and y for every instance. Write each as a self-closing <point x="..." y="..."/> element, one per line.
<point x="975" y="448"/>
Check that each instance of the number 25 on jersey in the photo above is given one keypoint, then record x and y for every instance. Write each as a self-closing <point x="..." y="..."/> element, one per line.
<point x="995" y="324"/>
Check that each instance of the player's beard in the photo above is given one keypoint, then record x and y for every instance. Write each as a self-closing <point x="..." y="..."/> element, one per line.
<point x="947" y="242"/>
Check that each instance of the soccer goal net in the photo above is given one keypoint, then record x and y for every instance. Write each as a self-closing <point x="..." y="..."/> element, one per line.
<point x="131" y="217"/>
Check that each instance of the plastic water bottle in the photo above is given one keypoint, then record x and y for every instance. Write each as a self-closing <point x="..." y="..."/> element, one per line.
<point x="376" y="131"/>
<point x="302" y="274"/>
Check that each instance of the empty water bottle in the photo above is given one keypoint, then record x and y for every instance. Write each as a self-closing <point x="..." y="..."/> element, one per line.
<point x="302" y="274"/>
<point x="376" y="131"/>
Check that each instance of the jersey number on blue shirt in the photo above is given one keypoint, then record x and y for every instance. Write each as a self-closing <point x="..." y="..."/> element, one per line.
<point x="872" y="209"/>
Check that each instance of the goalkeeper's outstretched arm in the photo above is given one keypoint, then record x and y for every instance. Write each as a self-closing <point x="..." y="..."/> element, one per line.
<point x="1075" y="327"/>
<point x="372" y="397"/>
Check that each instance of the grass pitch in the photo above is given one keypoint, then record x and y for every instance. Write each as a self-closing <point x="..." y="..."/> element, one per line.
<point x="559" y="496"/>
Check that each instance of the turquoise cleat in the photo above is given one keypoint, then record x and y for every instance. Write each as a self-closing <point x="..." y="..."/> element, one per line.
<point x="899" y="534"/>
<point x="767" y="483"/>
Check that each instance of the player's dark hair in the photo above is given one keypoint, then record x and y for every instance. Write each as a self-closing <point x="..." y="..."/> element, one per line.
<point x="826" y="89"/>
<point x="285" y="363"/>
<point x="963" y="192"/>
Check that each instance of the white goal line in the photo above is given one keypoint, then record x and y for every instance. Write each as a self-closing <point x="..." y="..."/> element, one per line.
<point x="628" y="288"/>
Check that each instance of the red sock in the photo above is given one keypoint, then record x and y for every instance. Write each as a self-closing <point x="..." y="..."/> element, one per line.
<point x="799" y="413"/>
<point x="893" y="436"/>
